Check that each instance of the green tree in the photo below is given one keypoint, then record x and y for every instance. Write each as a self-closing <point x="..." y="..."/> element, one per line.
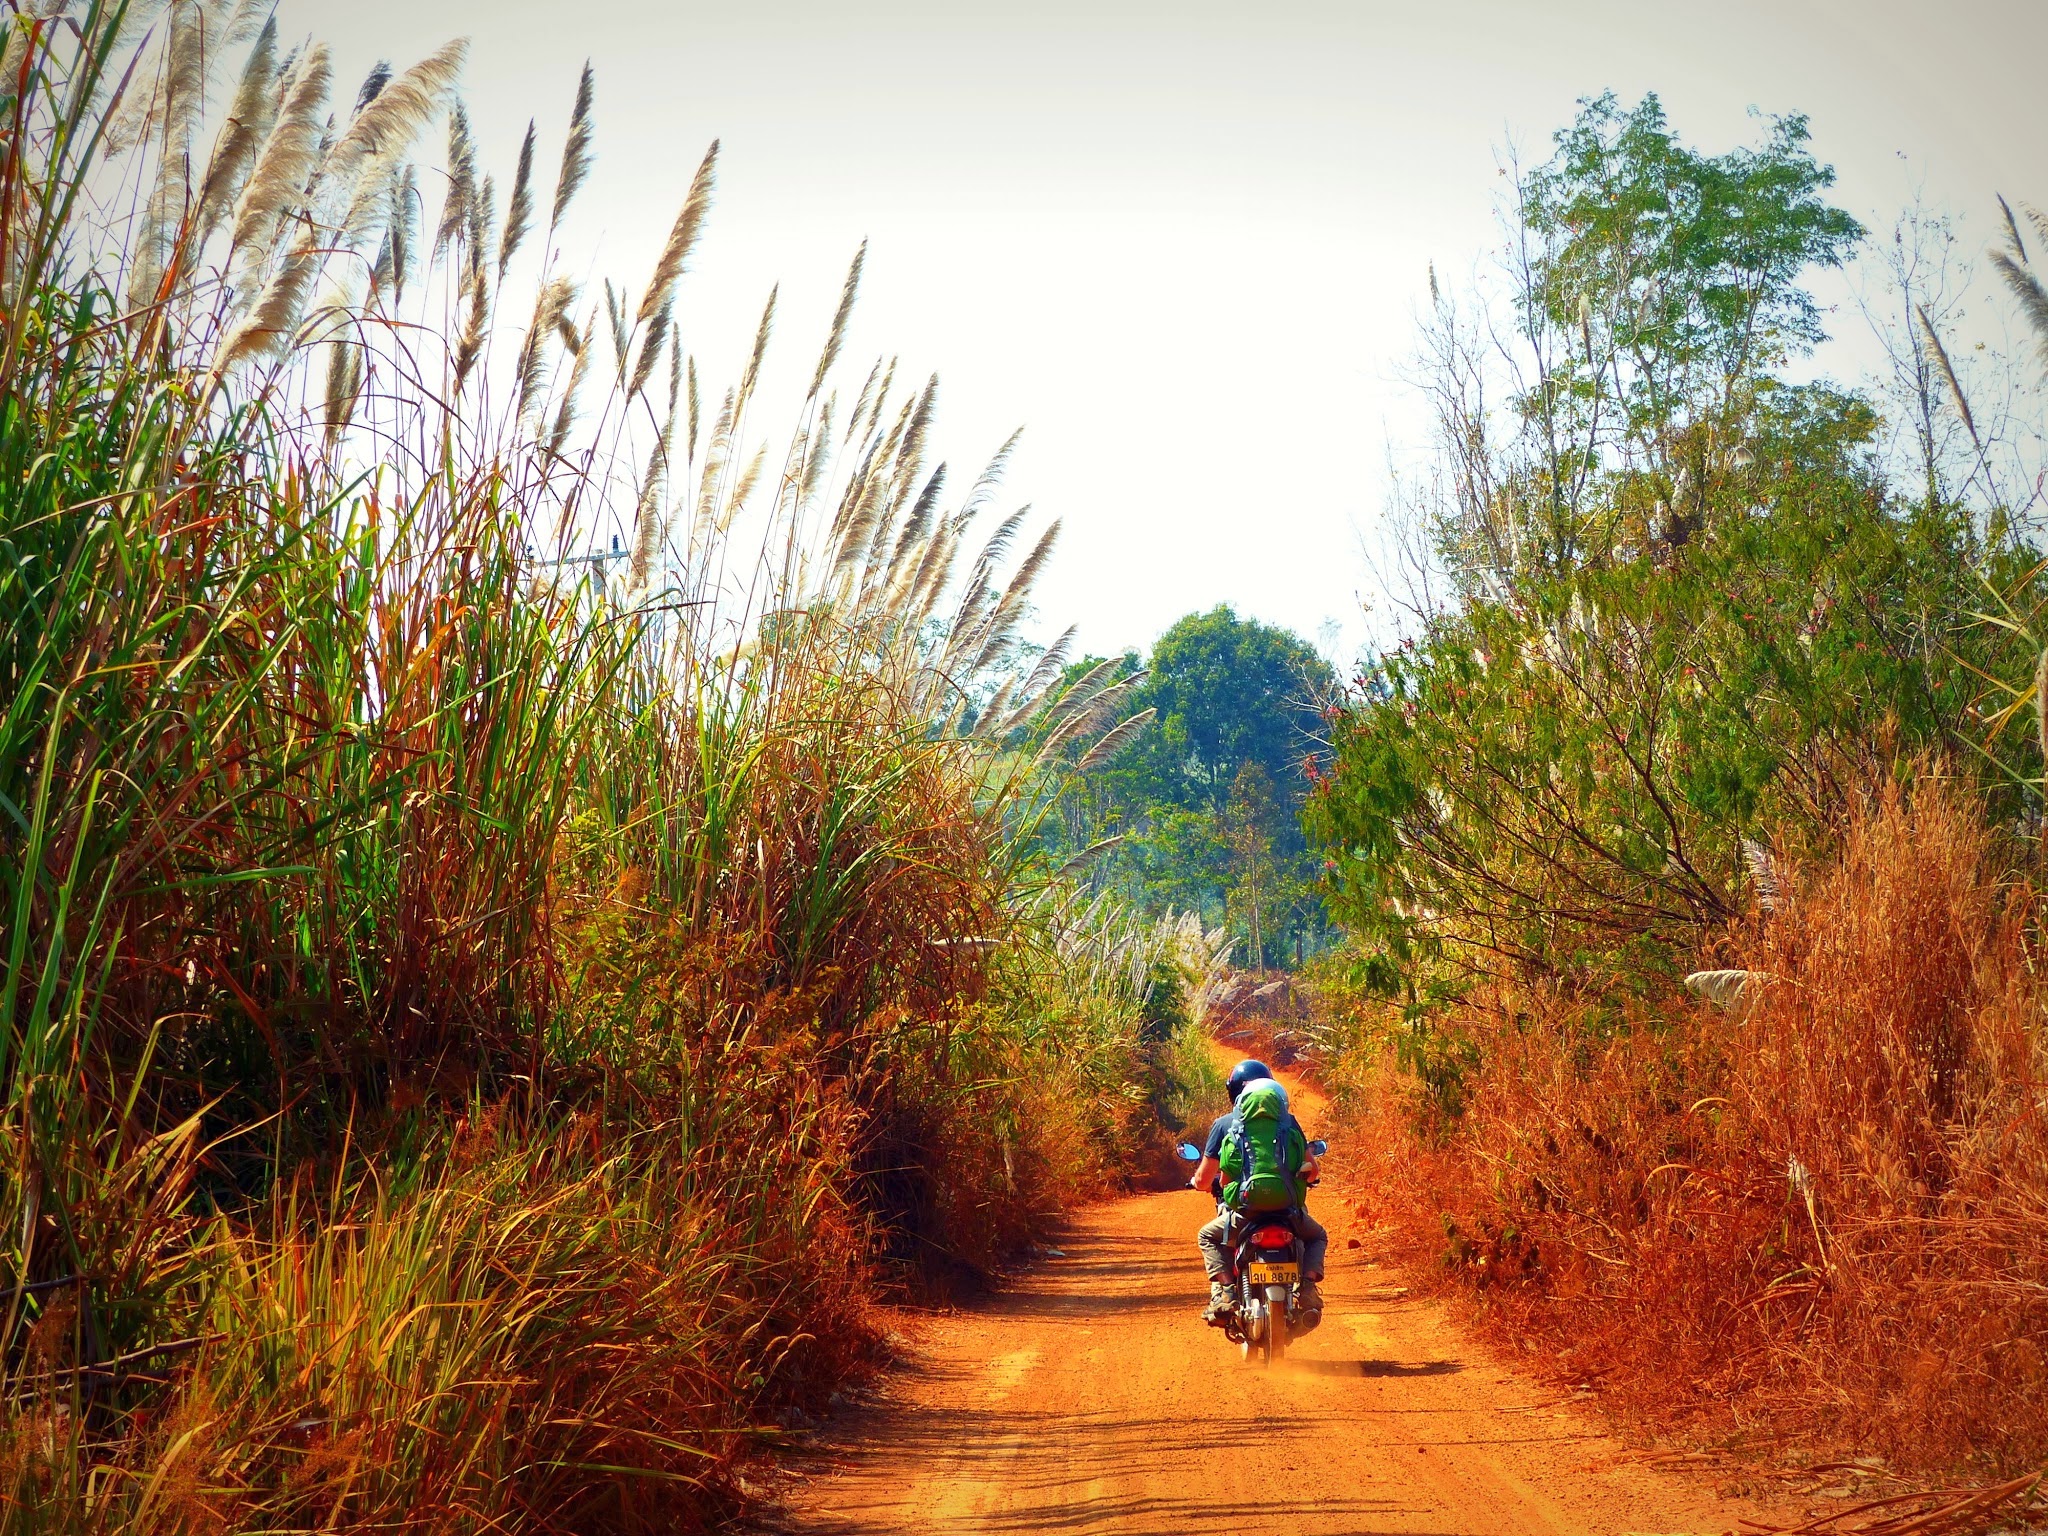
<point x="1228" y="692"/>
<point x="1686" y="601"/>
<point x="1229" y="695"/>
<point x="1657" y="294"/>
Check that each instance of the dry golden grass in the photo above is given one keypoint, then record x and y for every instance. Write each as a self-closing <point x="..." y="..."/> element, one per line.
<point x="1817" y="1218"/>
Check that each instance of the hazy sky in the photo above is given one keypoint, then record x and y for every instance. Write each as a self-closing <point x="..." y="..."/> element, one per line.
<point x="1181" y="245"/>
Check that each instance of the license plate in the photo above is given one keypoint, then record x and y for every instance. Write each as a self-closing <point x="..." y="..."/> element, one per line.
<point x="1274" y="1274"/>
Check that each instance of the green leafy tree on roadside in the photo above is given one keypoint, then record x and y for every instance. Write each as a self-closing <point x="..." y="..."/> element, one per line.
<point x="1686" y="602"/>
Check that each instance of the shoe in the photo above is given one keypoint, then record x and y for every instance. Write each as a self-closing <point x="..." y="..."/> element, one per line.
<point x="1308" y="1308"/>
<point x="1221" y="1304"/>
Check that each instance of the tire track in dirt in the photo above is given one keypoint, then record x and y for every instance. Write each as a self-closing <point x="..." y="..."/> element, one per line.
<point x="1088" y="1397"/>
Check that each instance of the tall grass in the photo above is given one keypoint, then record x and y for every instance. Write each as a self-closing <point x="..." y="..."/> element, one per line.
<point x="1814" y="1216"/>
<point x="478" y="1018"/>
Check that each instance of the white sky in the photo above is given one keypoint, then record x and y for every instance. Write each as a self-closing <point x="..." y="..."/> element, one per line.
<point x="1181" y="244"/>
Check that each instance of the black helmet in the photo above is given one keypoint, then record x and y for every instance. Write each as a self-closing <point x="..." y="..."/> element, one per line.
<point x="1246" y="1072"/>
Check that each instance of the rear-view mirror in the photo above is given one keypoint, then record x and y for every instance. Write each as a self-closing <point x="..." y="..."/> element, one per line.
<point x="1188" y="1152"/>
<point x="1319" y="1147"/>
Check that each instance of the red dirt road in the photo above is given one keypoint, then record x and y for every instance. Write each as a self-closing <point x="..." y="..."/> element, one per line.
<point x="1088" y="1397"/>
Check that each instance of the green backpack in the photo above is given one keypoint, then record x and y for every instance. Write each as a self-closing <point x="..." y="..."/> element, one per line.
<point x="1263" y="1152"/>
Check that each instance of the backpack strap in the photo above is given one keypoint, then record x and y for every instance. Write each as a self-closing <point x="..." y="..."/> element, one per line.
<point x="1284" y="1157"/>
<point x="1237" y="1137"/>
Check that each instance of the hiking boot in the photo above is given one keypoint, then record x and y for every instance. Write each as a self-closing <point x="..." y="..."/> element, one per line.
<point x="1221" y="1304"/>
<point x="1308" y="1303"/>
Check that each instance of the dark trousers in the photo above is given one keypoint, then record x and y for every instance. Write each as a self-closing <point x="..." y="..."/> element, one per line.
<point x="1214" y="1241"/>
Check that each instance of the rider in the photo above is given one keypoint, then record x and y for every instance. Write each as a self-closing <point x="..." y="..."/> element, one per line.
<point x="1214" y="1237"/>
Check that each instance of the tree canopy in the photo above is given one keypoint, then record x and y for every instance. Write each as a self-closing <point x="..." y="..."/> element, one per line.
<point x="1685" y="599"/>
<point x="1205" y="804"/>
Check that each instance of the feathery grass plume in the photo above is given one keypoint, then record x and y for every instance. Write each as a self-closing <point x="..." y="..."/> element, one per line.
<point x="1114" y="741"/>
<point x="2036" y="218"/>
<point x="2041" y="708"/>
<point x="392" y="119"/>
<point x="1033" y="696"/>
<point x="360" y="165"/>
<point x="788" y="487"/>
<point x="344" y="385"/>
<point x="997" y="548"/>
<point x="615" y="315"/>
<point x="131" y="115"/>
<point x="250" y="118"/>
<point x="934" y="574"/>
<point x="1764" y="875"/>
<point x="970" y="613"/>
<point x="372" y="86"/>
<point x="682" y="240"/>
<point x="284" y="163"/>
<point x="990" y="480"/>
<point x="519" y="214"/>
<point x="690" y="368"/>
<point x="1007" y="613"/>
<point x="245" y="21"/>
<point x="883" y="391"/>
<point x="401" y="235"/>
<point x="652" y="340"/>
<point x="550" y="312"/>
<point x="483" y="220"/>
<point x="1948" y="372"/>
<point x="272" y="319"/>
<point x="859" y="508"/>
<point x="1070" y="722"/>
<point x="576" y="150"/>
<point x="581" y="346"/>
<point x="144" y="113"/>
<point x="649" y="524"/>
<point x="752" y="375"/>
<point x="462" y="179"/>
<point x="715" y="454"/>
<point x="2012" y="227"/>
<point x="860" y="404"/>
<point x="1725" y="989"/>
<point x="749" y="478"/>
<point x="14" y="49"/>
<point x="1086" y="690"/>
<point x="2033" y="298"/>
<point x="917" y="526"/>
<point x="381" y="270"/>
<point x="675" y="381"/>
<point x="988" y="717"/>
<point x="847" y="294"/>
<point x="848" y="532"/>
<point x="818" y="456"/>
<point x="183" y="95"/>
<point x="910" y="456"/>
<point x="477" y="326"/>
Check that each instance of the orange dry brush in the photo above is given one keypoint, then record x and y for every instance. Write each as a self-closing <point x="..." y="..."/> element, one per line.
<point x="1821" y="1213"/>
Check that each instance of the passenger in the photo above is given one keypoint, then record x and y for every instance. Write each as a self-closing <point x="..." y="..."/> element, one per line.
<point x="1215" y="1236"/>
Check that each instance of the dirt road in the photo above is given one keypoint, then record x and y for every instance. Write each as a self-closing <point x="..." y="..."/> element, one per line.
<point x="1088" y="1397"/>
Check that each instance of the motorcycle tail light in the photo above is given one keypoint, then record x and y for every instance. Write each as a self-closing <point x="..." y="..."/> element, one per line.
<point x="1272" y="1237"/>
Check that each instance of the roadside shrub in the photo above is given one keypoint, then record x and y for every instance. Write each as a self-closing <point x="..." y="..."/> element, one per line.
<point x="1816" y="1213"/>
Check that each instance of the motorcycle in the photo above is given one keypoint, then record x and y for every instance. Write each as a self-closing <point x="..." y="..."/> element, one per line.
<point x="1265" y="1257"/>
